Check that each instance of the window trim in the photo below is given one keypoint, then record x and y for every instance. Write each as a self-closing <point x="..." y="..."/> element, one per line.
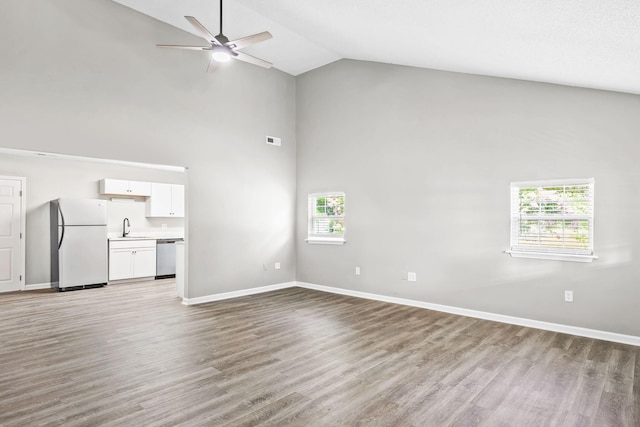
<point x="551" y="253"/>
<point x="322" y="239"/>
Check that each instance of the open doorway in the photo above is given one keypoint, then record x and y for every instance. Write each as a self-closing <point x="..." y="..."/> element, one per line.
<point x="52" y="176"/>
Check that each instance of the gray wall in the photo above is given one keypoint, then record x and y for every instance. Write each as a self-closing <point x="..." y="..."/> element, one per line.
<point x="425" y="159"/>
<point x="85" y="78"/>
<point x="49" y="178"/>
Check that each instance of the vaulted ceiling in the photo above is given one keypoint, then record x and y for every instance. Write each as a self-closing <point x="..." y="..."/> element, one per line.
<point x="586" y="43"/>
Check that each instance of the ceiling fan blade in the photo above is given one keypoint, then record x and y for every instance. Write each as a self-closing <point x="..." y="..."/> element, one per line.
<point x="249" y="40"/>
<point x="184" y="47"/>
<point x="213" y="64"/>
<point x="202" y="30"/>
<point x="251" y="59"/>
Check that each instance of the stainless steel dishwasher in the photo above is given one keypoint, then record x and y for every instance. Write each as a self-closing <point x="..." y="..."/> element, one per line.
<point x="166" y="258"/>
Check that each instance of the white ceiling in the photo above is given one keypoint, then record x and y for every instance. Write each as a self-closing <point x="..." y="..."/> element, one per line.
<point x="587" y="43"/>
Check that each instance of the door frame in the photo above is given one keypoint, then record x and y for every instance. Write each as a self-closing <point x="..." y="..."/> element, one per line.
<point x="23" y="227"/>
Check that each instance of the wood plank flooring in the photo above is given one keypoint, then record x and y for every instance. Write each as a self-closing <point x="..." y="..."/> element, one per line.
<point x="132" y="355"/>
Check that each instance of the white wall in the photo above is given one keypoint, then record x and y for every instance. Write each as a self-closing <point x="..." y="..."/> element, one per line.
<point x="135" y="210"/>
<point x="97" y="86"/>
<point x="425" y="159"/>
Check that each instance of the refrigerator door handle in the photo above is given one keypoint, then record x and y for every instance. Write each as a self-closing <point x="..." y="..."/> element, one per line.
<point x="62" y="224"/>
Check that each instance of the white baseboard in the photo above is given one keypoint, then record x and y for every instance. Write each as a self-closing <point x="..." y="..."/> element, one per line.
<point x="36" y="286"/>
<point x="554" y="327"/>
<point x="236" y="294"/>
<point x="537" y="324"/>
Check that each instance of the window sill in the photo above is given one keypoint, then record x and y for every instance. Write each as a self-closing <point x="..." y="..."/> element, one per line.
<point x="325" y="241"/>
<point x="551" y="256"/>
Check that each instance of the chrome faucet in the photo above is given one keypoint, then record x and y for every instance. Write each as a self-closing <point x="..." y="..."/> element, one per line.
<point x="125" y="223"/>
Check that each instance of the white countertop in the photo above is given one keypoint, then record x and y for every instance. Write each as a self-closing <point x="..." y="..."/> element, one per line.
<point x="133" y="238"/>
<point x="144" y="236"/>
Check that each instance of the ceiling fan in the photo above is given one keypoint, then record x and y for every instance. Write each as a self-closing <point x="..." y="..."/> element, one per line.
<point x="221" y="48"/>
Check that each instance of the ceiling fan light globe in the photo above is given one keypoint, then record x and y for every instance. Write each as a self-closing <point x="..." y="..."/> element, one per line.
<point x="220" y="56"/>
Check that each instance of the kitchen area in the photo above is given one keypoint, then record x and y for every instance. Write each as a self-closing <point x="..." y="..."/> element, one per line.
<point x="92" y="222"/>
<point x="80" y="228"/>
<point x="138" y="249"/>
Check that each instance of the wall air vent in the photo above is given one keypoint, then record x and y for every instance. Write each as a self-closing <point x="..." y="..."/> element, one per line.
<point x="272" y="140"/>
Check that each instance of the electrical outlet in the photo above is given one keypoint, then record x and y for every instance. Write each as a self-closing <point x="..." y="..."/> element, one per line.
<point x="265" y="267"/>
<point x="411" y="276"/>
<point x="568" y="296"/>
<point x="357" y="271"/>
<point x="277" y="266"/>
<point x="403" y="275"/>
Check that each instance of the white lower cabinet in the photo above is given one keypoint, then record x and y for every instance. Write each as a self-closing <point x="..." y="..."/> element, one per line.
<point x="130" y="259"/>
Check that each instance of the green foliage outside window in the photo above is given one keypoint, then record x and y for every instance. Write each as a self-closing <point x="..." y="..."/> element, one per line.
<point x="555" y="216"/>
<point x="329" y="215"/>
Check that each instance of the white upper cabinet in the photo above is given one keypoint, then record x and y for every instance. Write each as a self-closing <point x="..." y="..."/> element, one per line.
<point x="125" y="188"/>
<point x="167" y="200"/>
<point x="177" y="200"/>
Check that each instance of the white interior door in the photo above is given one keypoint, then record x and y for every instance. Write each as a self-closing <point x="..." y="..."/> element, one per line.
<point x="12" y="220"/>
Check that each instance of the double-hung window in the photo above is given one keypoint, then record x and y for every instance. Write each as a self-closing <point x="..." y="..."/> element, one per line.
<point x="326" y="218"/>
<point x="552" y="220"/>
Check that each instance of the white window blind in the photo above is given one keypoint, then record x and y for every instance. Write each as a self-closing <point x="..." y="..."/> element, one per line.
<point x="326" y="218"/>
<point x="552" y="219"/>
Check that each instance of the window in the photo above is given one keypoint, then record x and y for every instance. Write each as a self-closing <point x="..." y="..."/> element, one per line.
<point x="326" y="218"/>
<point x="552" y="220"/>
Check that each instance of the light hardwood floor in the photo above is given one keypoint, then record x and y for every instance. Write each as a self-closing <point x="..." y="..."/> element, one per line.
<point x="132" y="355"/>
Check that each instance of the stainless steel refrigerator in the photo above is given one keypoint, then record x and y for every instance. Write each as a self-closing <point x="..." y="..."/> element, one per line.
<point x="79" y="246"/>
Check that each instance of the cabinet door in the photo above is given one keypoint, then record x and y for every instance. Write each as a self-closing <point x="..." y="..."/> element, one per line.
<point x="144" y="262"/>
<point x="114" y="186"/>
<point x="177" y="201"/>
<point x="125" y="188"/>
<point x="120" y="264"/>
<point x="159" y="204"/>
<point x="138" y="188"/>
